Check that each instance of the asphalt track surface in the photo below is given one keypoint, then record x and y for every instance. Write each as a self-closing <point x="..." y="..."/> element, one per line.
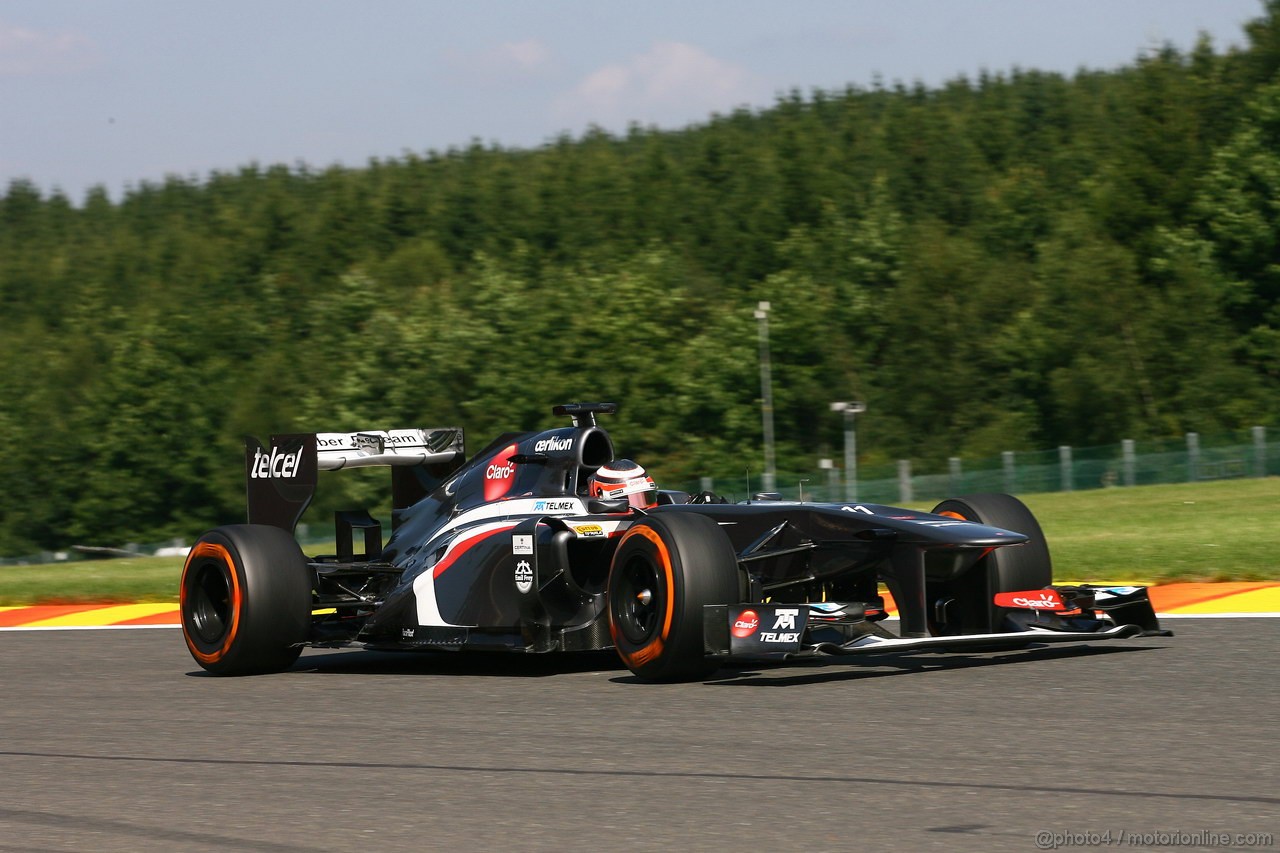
<point x="113" y="740"/>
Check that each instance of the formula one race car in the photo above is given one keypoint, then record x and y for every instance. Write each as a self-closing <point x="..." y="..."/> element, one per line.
<point x="545" y="542"/>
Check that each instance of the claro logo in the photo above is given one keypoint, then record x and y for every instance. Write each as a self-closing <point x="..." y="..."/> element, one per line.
<point x="500" y="474"/>
<point x="1040" y="599"/>
<point x="275" y="465"/>
<point x="746" y="624"/>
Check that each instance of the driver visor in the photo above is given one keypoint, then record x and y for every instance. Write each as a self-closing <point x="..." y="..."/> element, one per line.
<point x="639" y="494"/>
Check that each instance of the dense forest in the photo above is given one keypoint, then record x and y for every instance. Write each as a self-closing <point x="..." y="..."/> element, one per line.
<point x="1010" y="262"/>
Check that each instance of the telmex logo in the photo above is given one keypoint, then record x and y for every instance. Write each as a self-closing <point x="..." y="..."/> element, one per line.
<point x="553" y="444"/>
<point x="275" y="465"/>
<point x="746" y="624"/>
<point x="554" y="506"/>
<point x="500" y="474"/>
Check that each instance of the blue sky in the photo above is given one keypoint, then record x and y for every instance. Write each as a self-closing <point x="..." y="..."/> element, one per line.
<point x="116" y="93"/>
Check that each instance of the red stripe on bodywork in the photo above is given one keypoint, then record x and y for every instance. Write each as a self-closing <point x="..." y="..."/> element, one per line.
<point x="463" y="546"/>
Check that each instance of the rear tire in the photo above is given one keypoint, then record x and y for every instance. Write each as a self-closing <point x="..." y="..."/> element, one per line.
<point x="665" y="569"/>
<point x="245" y="600"/>
<point x="1008" y="569"/>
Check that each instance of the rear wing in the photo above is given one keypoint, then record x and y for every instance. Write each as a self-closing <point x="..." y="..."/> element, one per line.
<point x="281" y="476"/>
<point x="336" y="450"/>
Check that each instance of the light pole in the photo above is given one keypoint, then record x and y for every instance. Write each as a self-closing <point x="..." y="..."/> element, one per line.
<point x="766" y="390"/>
<point x="850" y="409"/>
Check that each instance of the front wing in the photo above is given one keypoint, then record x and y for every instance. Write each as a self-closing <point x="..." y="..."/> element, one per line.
<point x="1082" y="614"/>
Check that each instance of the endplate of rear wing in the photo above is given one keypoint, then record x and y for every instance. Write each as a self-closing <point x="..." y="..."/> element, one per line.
<point x="281" y="476"/>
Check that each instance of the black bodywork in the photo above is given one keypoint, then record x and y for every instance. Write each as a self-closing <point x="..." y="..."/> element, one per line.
<point x="507" y="550"/>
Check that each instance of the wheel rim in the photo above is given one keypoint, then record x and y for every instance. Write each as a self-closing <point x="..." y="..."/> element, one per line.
<point x="209" y="600"/>
<point x="639" y="600"/>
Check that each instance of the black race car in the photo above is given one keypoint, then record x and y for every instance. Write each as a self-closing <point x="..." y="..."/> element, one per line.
<point x="527" y="547"/>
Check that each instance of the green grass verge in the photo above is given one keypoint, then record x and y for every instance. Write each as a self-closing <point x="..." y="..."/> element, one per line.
<point x="125" y="580"/>
<point x="1213" y="531"/>
<point x="1222" y="530"/>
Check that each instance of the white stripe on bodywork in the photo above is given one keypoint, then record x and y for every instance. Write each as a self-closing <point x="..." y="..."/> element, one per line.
<point x="424" y="585"/>
<point x="424" y="592"/>
<point x="520" y="507"/>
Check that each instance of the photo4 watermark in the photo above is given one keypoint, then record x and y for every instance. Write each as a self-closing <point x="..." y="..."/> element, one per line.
<point x="1049" y="840"/>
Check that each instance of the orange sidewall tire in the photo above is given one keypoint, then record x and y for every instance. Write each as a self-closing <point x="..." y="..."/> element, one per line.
<point x="689" y="563"/>
<point x="211" y="550"/>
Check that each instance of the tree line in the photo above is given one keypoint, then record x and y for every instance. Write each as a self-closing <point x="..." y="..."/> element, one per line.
<point x="1018" y="260"/>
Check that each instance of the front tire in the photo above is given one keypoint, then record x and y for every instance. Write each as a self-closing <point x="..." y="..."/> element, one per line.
<point x="1009" y="569"/>
<point x="665" y="569"/>
<point x="245" y="600"/>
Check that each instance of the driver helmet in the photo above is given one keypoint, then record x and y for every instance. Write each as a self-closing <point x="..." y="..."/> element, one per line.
<point x="623" y="478"/>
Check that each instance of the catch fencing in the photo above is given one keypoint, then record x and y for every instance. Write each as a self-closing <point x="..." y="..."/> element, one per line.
<point x="1190" y="459"/>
